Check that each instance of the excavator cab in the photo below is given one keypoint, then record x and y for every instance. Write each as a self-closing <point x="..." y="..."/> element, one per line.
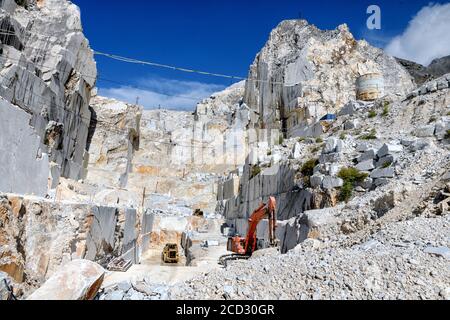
<point x="236" y="244"/>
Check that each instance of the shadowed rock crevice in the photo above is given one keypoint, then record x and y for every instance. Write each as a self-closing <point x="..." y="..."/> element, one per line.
<point x="8" y="35"/>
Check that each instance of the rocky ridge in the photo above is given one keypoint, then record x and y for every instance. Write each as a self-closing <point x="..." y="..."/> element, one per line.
<point x="421" y="74"/>
<point x="314" y="71"/>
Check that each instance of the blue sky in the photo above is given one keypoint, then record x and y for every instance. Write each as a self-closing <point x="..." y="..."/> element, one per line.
<point x="218" y="36"/>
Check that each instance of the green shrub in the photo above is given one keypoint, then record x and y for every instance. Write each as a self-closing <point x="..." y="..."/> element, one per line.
<point x="370" y="136"/>
<point x="315" y="149"/>
<point x="256" y="170"/>
<point x="387" y="165"/>
<point x="281" y="139"/>
<point x="308" y="168"/>
<point x="385" y="109"/>
<point x="319" y="140"/>
<point x="346" y="192"/>
<point x="447" y="134"/>
<point x="351" y="177"/>
<point x="432" y="119"/>
<point x="372" y="114"/>
<point x="343" y="136"/>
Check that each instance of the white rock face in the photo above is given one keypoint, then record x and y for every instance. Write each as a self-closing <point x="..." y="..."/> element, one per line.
<point x="314" y="70"/>
<point x="165" y="160"/>
<point x="47" y="71"/>
<point x="115" y="137"/>
<point x="222" y="103"/>
<point x="182" y="156"/>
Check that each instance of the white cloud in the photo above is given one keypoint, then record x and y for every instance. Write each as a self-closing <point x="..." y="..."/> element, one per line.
<point x="165" y="93"/>
<point x="427" y="36"/>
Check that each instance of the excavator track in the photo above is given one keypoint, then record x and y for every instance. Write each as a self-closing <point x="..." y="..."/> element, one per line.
<point x="232" y="257"/>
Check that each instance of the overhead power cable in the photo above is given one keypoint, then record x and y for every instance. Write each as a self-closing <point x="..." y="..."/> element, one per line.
<point x="140" y="87"/>
<point x="170" y="67"/>
<point x="112" y="126"/>
<point x="154" y="64"/>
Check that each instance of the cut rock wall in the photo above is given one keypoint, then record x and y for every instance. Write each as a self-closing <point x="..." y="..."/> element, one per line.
<point x="47" y="72"/>
<point x="24" y="169"/>
<point x="278" y="181"/>
<point x="165" y="160"/>
<point x="293" y="202"/>
<point x="37" y="236"/>
<point x="113" y="140"/>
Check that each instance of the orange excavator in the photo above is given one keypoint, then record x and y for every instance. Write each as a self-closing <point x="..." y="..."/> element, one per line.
<point x="243" y="248"/>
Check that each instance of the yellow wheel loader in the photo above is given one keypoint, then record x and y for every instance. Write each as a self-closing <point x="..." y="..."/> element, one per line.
<point x="170" y="253"/>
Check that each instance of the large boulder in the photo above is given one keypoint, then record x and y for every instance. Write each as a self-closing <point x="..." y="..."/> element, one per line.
<point x="425" y="131"/>
<point x="386" y="160"/>
<point x="333" y="145"/>
<point x="77" y="280"/>
<point x="367" y="165"/>
<point x="369" y="154"/>
<point x="297" y="151"/>
<point x="316" y="180"/>
<point x="319" y="223"/>
<point x="383" y="173"/>
<point x="332" y="182"/>
<point x="389" y="149"/>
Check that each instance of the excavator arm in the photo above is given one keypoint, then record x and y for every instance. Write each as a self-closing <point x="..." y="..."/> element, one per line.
<point x="263" y="212"/>
<point x="246" y="246"/>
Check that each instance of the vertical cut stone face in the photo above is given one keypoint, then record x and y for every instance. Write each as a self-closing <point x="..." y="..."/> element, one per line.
<point x="100" y="239"/>
<point x="47" y="72"/>
<point x="24" y="168"/>
<point x="114" y="137"/>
